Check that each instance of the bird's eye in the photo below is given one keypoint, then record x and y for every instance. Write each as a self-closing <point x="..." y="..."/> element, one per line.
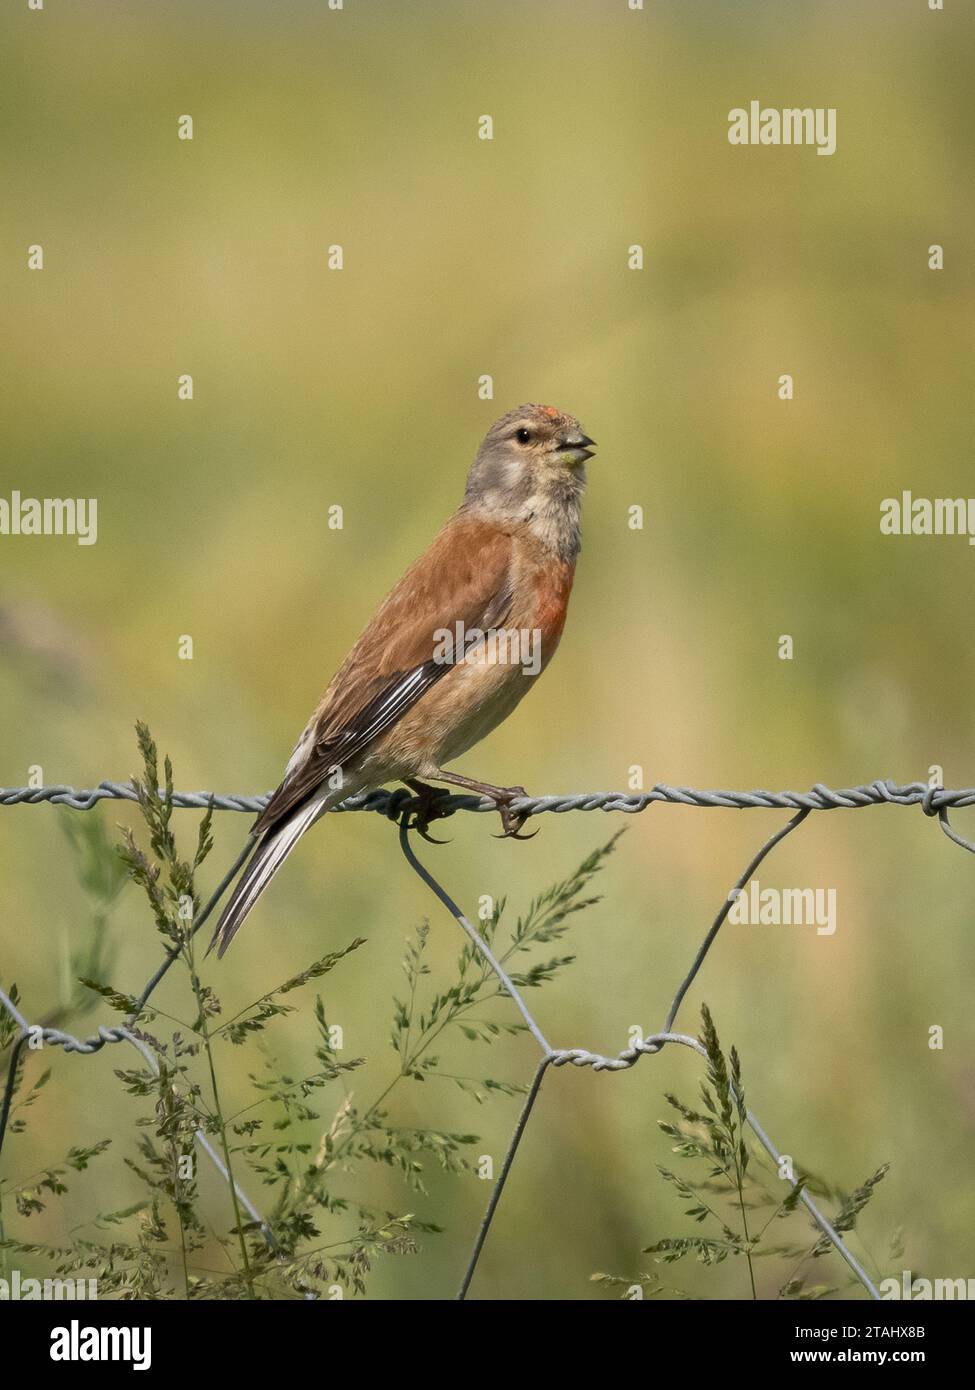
<point x="523" y="436"/>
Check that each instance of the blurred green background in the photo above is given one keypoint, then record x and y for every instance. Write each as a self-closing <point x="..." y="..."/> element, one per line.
<point x="313" y="388"/>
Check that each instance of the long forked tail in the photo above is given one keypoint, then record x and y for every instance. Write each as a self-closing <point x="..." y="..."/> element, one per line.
<point x="272" y="850"/>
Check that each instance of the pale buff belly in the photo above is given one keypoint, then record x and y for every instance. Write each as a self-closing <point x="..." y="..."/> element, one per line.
<point x="461" y="709"/>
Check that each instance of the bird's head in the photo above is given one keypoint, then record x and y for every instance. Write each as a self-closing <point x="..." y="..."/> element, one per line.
<point x="533" y="451"/>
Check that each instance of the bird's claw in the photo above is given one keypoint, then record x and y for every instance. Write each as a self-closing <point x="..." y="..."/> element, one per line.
<point x="511" y="821"/>
<point x="421" y="829"/>
<point x="424" y="811"/>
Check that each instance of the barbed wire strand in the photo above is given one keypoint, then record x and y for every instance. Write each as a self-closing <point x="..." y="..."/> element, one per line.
<point x="398" y="805"/>
<point x="881" y="792"/>
<point x="624" y="1060"/>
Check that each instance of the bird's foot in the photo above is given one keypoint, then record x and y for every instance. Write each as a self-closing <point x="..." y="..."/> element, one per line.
<point x="428" y="807"/>
<point x="511" y="821"/>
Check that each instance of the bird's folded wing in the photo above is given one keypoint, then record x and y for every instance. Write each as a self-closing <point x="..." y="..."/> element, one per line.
<point x="464" y="577"/>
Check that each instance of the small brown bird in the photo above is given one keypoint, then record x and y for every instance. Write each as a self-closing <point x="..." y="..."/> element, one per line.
<point x="450" y="651"/>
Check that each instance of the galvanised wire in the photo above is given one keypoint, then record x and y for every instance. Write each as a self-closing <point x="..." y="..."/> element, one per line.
<point x="399" y="805"/>
<point x="819" y="798"/>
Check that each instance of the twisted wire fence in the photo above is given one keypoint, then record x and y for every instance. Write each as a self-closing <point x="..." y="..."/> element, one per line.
<point x="401" y="805"/>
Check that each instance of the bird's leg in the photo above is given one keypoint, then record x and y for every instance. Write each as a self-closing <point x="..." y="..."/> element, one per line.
<point x="502" y="798"/>
<point x="427" y="810"/>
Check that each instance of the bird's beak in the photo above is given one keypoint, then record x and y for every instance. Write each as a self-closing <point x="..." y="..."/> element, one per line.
<point x="576" y="447"/>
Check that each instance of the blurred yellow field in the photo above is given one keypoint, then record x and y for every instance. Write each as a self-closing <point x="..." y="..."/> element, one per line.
<point x="272" y="432"/>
